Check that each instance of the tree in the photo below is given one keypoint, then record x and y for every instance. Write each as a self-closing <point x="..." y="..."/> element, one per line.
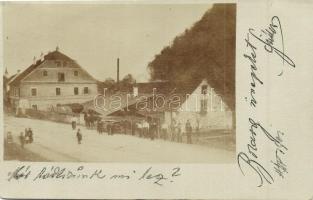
<point x="128" y="80"/>
<point x="206" y="50"/>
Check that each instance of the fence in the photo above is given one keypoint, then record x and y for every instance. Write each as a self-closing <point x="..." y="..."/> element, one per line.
<point x="49" y="115"/>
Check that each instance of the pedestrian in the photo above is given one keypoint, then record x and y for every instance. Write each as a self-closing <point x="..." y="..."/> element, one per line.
<point x="173" y="131"/>
<point x="22" y="139"/>
<point x="188" y="131"/>
<point x="152" y="131"/>
<point x="140" y="128"/>
<point x="30" y="135"/>
<point x="109" y="128"/>
<point x="164" y="128"/>
<point x="179" y="132"/>
<point x="26" y="135"/>
<point x="74" y="122"/>
<point x="86" y="119"/>
<point x="145" y="127"/>
<point x="99" y="126"/>
<point x="79" y="136"/>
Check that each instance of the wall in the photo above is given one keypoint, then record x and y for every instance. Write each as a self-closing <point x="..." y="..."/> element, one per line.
<point x="46" y="94"/>
<point x="216" y="116"/>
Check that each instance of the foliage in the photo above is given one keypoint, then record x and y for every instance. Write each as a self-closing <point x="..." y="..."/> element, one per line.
<point x="206" y="50"/>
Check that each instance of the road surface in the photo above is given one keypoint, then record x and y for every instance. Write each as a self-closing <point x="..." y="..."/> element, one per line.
<point x="57" y="142"/>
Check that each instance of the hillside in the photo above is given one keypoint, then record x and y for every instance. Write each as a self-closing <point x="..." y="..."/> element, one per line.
<point x="206" y="50"/>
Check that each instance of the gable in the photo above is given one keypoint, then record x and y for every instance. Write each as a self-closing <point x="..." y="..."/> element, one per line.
<point x="53" y="63"/>
<point x="48" y="72"/>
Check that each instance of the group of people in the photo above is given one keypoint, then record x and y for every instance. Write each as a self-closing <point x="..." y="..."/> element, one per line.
<point x="90" y="120"/>
<point x="26" y="137"/>
<point x="145" y="129"/>
<point x="175" y="131"/>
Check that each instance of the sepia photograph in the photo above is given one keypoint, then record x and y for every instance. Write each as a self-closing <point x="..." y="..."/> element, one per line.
<point x="125" y="83"/>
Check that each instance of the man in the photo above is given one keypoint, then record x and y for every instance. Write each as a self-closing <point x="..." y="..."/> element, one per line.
<point x="30" y="135"/>
<point x="86" y="119"/>
<point x="145" y="126"/>
<point x="22" y="139"/>
<point x="179" y="132"/>
<point x="79" y="136"/>
<point x="164" y="128"/>
<point x="140" y="128"/>
<point x="153" y="129"/>
<point x="188" y="131"/>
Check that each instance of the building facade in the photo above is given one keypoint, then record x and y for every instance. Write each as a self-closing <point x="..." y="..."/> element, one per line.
<point x="202" y="106"/>
<point x="53" y="80"/>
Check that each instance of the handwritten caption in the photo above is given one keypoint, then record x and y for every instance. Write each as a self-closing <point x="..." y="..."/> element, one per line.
<point x="150" y="175"/>
<point x="271" y="41"/>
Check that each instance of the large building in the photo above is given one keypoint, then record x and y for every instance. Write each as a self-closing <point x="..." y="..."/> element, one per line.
<point x="54" y="79"/>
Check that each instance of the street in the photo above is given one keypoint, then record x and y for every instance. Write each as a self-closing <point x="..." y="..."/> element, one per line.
<point x="57" y="142"/>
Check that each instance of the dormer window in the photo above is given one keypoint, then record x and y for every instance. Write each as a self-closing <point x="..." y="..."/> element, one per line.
<point x="204" y="89"/>
<point x="75" y="73"/>
<point x="45" y="73"/>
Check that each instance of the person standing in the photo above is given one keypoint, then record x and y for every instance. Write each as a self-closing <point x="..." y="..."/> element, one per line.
<point x="153" y="129"/>
<point x="179" y="132"/>
<point x="188" y="131"/>
<point x="173" y="131"/>
<point x="25" y="135"/>
<point x="22" y="139"/>
<point x="164" y="128"/>
<point x="30" y="135"/>
<point x="85" y="119"/>
<point x="73" y="121"/>
<point x="79" y="136"/>
<point x="99" y="126"/>
<point x="140" y="128"/>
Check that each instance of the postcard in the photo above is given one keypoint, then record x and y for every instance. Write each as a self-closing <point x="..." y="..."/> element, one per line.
<point x="157" y="100"/>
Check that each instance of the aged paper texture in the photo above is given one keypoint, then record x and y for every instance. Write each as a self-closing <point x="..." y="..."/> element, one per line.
<point x="157" y="100"/>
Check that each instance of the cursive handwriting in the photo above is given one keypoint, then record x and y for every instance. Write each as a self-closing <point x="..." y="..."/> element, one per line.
<point x="150" y="174"/>
<point x="252" y="161"/>
<point x="267" y="37"/>
<point x="255" y="80"/>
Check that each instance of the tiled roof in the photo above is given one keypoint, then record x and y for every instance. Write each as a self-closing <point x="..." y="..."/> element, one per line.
<point x="55" y="55"/>
<point x="16" y="80"/>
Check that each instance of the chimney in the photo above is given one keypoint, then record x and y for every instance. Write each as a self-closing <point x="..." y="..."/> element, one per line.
<point x="34" y="60"/>
<point x="6" y="74"/>
<point x="118" y="71"/>
<point x="41" y="56"/>
<point x="104" y="91"/>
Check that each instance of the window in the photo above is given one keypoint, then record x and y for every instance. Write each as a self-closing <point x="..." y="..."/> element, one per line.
<point x="204" y="89"/>
<point x="86" y="90"/>
<point x="75" y="90"/>
<point x="34" y="91"/>
<point x="58" y="63"/>
<point x="204" y="106"/>
<point x="45" y="73"/>
<point x="16" y="92"/>
<point x="75" y="73"/>
<point x="61" y="77"/>
<point x="34" y="107"/>
<point x="64" y="64"/>
<point x="58" y="91"/>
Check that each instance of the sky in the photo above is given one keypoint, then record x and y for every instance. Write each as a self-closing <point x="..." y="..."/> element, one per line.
<point x="95" y="35"/>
